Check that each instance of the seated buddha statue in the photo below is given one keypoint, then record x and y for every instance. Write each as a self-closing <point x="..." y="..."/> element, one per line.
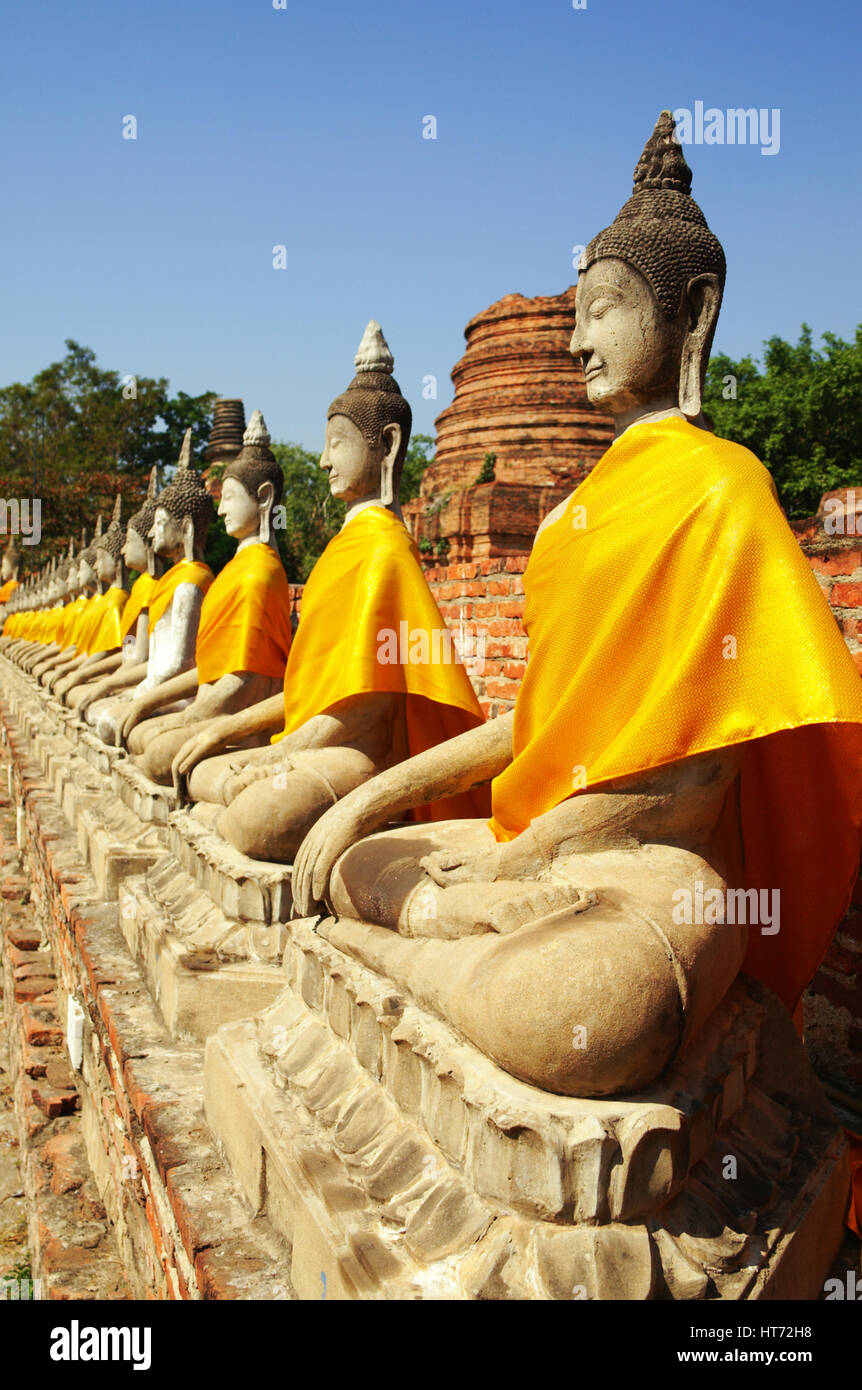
<point x="677" y="738"/>
<point x="102" y="636"/>
<point x="118" y="671"/>
<point x="10" y="566"/>
<point x="244" y="633"/>
<point x="82" y="573"/>
<point x="36" y="634"/>
<point x="181" y="521"/>
<point x="350" y="705"/>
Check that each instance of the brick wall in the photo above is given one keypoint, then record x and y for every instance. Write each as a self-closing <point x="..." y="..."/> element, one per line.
<point x="488" y="596"/>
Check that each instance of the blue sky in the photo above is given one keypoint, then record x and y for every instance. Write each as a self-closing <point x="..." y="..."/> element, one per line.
<point x="302" y="127"/>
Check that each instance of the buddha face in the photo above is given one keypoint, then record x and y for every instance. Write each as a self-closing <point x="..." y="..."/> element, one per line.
<point x="135" y="550"/>
<point x="630" y="351"/>
<point x="352" y="463"/>
<point x="86" y="575"/>
<point x="240" y="510"/>
<point x="6" y="570"/>
<point x="167" y="533"/>
<point x="106" y="565"/>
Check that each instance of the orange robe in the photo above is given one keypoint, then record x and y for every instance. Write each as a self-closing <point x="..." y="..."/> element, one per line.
<point x="7" y="590"/>
<point x="183" y="572"/>
<point x="139" y="599"/>
<point x="670" y="611"/>
<point x="77" y="614"/>
<point x="245" y="618"/>
<point x="105" y="635"/>
<point x="366" y="601"/>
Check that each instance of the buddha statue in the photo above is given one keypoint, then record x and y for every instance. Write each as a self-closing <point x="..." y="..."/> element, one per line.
<point x="83" y="581"/>
<point x="10" y="566"/>
<point x="103" y="633"/>
<point x="244" y="633"/>
<point x="347" y="710"/>
<point x="56" y="634"/>
<point x="676" y="739"/>
<point x="181" y="521"/>
<point x="33" y="611"/>
<point x="118" y="672"/>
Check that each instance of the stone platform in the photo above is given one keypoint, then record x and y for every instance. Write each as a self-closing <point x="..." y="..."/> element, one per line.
<point x="331" y="1135"/>
<point x="401" y="1163"/>
<point x="181" y="1225"/>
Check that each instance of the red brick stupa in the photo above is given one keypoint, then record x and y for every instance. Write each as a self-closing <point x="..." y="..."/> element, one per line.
<point x="225" y="440"/>
<point x="519" y="396"/>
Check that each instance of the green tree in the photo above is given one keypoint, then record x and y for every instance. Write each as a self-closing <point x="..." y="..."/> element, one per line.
<point x="801" y="413"/>
<point x="420" y="452"/>
<point x="313" y="515"/>
<point x="77" y="433"/>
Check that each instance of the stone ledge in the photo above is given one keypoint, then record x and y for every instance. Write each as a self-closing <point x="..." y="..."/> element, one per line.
<point x="202" y="969"/>
<point x="373" y="1208"/>
<point x="146" y="799"/>
<point x="182" y="1227"/>
<point x="247" y="890"/>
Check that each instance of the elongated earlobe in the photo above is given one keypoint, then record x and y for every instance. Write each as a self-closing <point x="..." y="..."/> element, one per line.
<point x="703" y="295"/>
<point x="392" y="443"/>
<point x="265" y="497"/>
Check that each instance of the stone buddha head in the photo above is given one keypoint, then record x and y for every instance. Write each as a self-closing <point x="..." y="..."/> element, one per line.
<point x="183" y="511"/>
<point x="252" y="485"/>
<point x="109" y="548"/>
<point x="649" y="292"/>
<point x="137" y="548"/>
<point x="368" y="428"/>
<point x="87" y="578"/>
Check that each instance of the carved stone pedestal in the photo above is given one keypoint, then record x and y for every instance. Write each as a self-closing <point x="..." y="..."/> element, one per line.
<point x="146" y="799"/>
<point x="399" y="1162"/>
<point x="206" y="926"/>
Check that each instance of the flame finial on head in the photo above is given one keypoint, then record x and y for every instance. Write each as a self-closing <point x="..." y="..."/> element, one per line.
<point x="663" y="164"/>
<point x="256" y="431"/>
<point x="373" y="354"/>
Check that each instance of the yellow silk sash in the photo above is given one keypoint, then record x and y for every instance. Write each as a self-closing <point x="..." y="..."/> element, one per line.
<point x="366" y="584"/>
<point x="139" y="599"/>
<point x="78" y="615"/>
<point x="106" y="632"/>
<point x="245" y="618"/>
<point x="183" y="572"/>
<point x="66" y="615"/>
<point x="669" y="611"/>
<point x="89" y="625"/>
<point x="7" y="590"/>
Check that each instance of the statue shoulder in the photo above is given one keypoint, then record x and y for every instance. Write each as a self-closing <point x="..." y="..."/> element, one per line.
<point x="553" y="515"/>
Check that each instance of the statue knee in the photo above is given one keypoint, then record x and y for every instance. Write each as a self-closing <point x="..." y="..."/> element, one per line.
<point x="578" y="1011"/>
<point x="270" y="819"/>
<point x="156" y="759"/>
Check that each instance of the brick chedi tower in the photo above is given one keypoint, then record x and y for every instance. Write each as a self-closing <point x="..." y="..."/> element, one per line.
<point x="520" y="396"/>
<point x="225" y="440"/>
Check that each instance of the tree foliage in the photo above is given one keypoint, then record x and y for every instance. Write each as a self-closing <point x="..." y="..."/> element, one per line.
<point x="800" y="413"/>
<point x="77" y="434"/>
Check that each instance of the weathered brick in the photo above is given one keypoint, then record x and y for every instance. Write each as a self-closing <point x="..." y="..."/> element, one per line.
<point x="846" y="595"/>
